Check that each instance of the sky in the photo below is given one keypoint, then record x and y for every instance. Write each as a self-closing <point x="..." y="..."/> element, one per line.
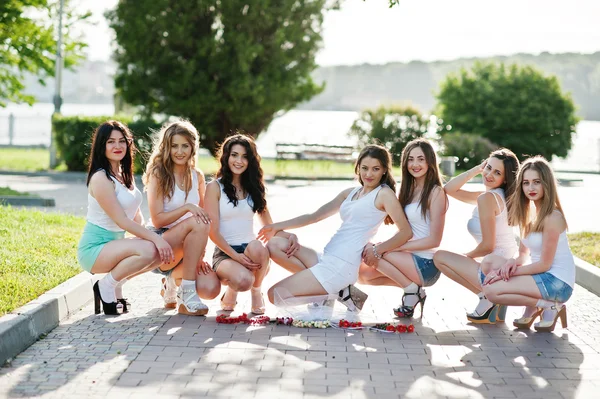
<point x="428" y="30"/>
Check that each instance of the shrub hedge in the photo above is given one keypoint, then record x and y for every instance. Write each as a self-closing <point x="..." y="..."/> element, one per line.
<point x="470" y="149"/>
<point x="73" y="138"/>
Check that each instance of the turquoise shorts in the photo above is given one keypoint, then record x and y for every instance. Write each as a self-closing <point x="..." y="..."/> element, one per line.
<point x="91" y="243"/>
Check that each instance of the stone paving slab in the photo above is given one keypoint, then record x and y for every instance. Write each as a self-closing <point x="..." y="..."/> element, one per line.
<point x="155" y="352"/>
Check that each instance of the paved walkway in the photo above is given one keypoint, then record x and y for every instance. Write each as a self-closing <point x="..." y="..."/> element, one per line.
<point x="155" y="352"/>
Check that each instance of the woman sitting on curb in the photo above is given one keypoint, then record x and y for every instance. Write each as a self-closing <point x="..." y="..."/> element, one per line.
<point x="175" y="199"/>
<point x="545" y="284"/>
<point x="113" y="208"/>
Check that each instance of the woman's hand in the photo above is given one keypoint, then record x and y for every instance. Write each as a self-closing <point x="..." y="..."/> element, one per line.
<point x="245" y="261"/>
<point x="203" y="267"/>
<point x="165" y="252"/>
<point x="267" y="232"/>
<point x="200" y="214"/>
<point x="480" y="168"/>
<point x="508" y="269"/>
<point x="293" y="245"/>
<point x="369" y="257"/>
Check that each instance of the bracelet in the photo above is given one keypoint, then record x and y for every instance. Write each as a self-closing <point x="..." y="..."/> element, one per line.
<point x="375" y="253"/>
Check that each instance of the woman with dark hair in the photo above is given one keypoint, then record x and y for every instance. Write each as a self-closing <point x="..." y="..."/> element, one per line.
<point x="114" y="208"/>
<point x="422" y="197"/>
<point x="175" y="199"/>
<point x="489" y="226"/>
<point x="232" y="200"/>
<point x="362" y="210"/>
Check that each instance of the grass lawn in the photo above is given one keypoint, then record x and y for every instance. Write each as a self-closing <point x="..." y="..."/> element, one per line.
<point x="10" y="191"/>
<point x="38" y="252"/>
<point x="586" y="246"/>
<point x="24" y="159"/>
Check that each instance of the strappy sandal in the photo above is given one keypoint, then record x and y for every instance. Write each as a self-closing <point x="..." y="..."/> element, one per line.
<point x="189" y="303"/>
<point x="258" y="309"/>
<point x="405" y="311"/>
<point x="526" y="322"/>
<point x="124" y="304"/>
<point x="169" y="292"/>
<point x="226" y="306"/>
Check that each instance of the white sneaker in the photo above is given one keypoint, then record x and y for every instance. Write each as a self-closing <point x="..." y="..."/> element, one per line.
<point x="189" y="303"/>
<point x="169" y="292"/>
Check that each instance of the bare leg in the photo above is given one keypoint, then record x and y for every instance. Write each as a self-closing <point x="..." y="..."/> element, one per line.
<point x="301" y="260"/>
<point x="459" y="268"/>
<point x="370" y="276"/>
<point x="400" y="267"/>
<point x="125" y="257"/>
<point x="301" y="284"/>
<point x="517" y="291"/>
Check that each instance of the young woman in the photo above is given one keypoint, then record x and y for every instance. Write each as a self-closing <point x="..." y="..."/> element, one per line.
<point x="545" y="284"/>
<point x="175" y="199"/>
<point x="488" y="225"/>
<point x="240" y="261"/>
<point x="113" y="208"/>
<point x="362" y="210"/>
<point x="422" y="197"/>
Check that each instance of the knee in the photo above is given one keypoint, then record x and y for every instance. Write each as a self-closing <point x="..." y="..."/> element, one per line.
<point x="491" y="293"/>
<point x="148" y="252"/>
<point x="209" y="289"/>
<point x="243" y="282"/>
<point x="274" y="246"/>
<point x="198" y="228"/>
<point x="256" y="250"/>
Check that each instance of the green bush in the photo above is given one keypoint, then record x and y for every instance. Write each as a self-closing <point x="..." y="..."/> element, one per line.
<point x="470" y="149"/>
<point x="73" y="138"/>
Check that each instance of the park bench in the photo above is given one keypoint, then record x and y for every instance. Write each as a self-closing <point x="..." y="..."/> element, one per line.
<point x="314" y="151"/>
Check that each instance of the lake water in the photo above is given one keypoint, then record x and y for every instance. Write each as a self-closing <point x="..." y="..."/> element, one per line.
<point x="32" y="127"/>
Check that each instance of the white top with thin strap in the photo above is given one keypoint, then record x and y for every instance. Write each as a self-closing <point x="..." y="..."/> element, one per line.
<point x="420" y="227"/>
<point x="360" y="221"/>
<point x="236" y="223"/>
<point x="563" y="264"/>
<point x="178" y="199"/>
<point x="505" y="244"/>
<point x="130" y="201"/>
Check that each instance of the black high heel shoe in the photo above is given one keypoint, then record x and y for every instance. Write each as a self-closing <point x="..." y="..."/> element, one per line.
<point x="124" y="304"/>
<point x="110" y="309"/>
<point x="409" y="311"/>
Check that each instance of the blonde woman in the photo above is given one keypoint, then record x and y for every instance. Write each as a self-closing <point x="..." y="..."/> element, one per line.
<point x="546" y="283"/>
<point x="176" y="198"/>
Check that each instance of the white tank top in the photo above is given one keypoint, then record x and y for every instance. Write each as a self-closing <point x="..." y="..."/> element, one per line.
<point x="130" y="201"/>
<point x="360" y="221"/>
<point x="563" y="264"/>
<point x="420" y="227"/>
<point x="178" y="199"/>
<point x="236" y="223"/>
<point x="505" y="244"/>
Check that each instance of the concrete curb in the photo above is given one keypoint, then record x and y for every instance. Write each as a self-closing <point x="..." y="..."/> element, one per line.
<point x="16" y="200"/>
<point x="587" y="276"/>
<point x="25" y="325"/>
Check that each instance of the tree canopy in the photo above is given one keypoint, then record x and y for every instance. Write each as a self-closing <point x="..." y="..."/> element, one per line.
<point x="513" y="106"/>
<point x="28" y="44"/>
<point x="225" y="65"/>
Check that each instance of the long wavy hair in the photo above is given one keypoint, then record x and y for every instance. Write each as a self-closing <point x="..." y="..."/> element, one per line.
<point x="432" y="178"/>
<point x="251" y="179"/>
<point x="521" y="205"/>
<point x="97" y="159"/>
<point x="511" y="168"/>
<point x="161" y="164"/>
<point x="384" y="157"/>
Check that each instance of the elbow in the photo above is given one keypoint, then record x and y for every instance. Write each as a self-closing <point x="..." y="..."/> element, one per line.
<point x="409" y="235"/>
<point x="486" y="248"/>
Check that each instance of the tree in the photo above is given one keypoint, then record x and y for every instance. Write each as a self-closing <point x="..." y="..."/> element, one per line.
<point x="225" y="65"/>
<point x="513" y="106"/>
<point x="392" y="127"/>
<point x="28" y="44"/>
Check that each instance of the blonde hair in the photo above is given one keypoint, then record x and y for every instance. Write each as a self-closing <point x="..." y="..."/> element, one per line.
<point x="161" y="165"/>
<point x="519" y="211"/>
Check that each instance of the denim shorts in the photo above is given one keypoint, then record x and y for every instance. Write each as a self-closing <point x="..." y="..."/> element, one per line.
<point x="219" y="256"/>
<point x="552" y="288"/>
<point x="427" y="271"/>
<point x="481" y="276"/>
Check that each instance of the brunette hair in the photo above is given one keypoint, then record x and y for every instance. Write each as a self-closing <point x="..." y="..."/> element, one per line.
<point x="432" y="178"/>
<point x="383" y="156"/>
<point x="511" y="168"/>
<point x="251" y="179"/>
<point x="97" y="159"/>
